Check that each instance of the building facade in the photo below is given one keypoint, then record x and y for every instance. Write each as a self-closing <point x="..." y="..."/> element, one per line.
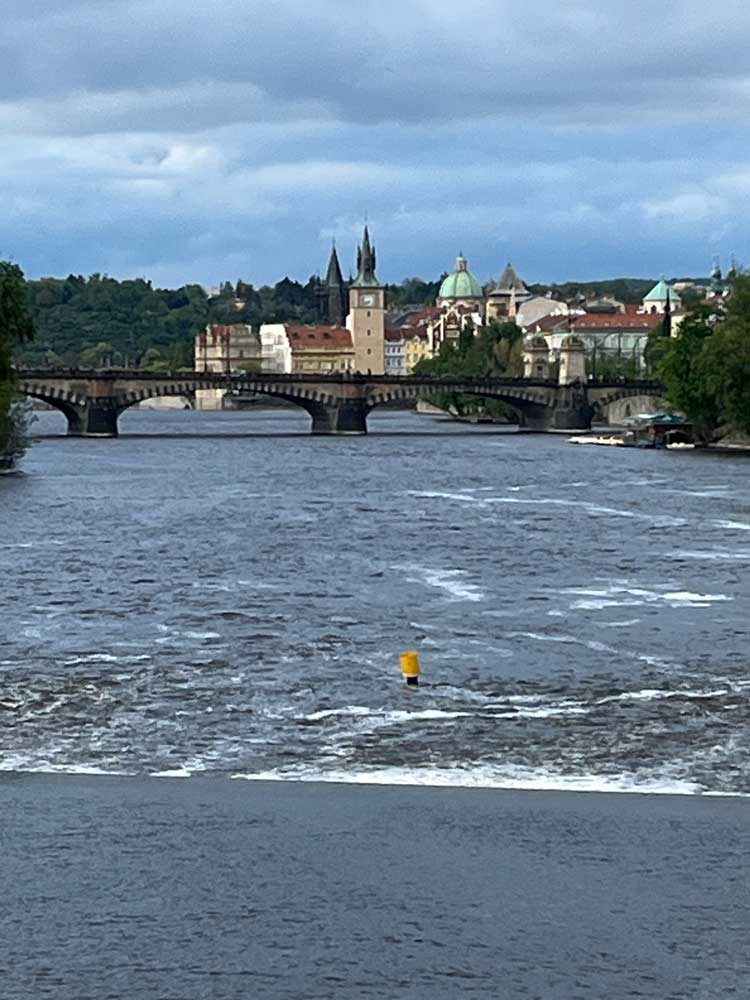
<point x="275" y="350"/>
<point x="224" y="348"/>
<point x="320" y="350"/>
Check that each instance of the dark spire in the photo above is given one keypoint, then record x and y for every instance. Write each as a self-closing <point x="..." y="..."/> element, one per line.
<point x="666" y="328"/>
<point x="334" y="295"/>
<point x="366" y="262"/>
<point x="334" y="276"/>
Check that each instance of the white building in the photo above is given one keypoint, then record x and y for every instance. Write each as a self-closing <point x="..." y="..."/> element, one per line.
<point x="275" y="349"/>
<point x="537" y="308"/>
<point x="395" y="352"/>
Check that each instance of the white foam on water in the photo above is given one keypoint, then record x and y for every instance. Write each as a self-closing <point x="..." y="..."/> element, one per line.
<point x="500" y="651"/>
<point x="346" y="712"/>
<point x="663" y="520"/>
<point x="543" y="638"/>
<point x="627" y="624"/>
<point x="656" y="694"/>
<point x="202" y="635"/>
<point x="29" y="765"/>
<point x="105" y="658"/>
<point x="383" y="715"/>
<point x="711" y="555"/>
<point x="710" y="493"/>
<point x="177" y="772"/>
<point x="452" y="581"/>
<point x="437" y="495"/>
<point x="733" y="525"/>
<point x="486" y="776"/>
<point x="618" y="596"/>
<point x="694" y="600"/>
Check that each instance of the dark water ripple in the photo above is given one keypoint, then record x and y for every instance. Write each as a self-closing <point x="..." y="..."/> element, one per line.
<point x="236" y="605"/>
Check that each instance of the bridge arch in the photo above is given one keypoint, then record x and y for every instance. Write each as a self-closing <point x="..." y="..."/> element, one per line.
<point x="71" y="404"/>
<point x="532" y="404"/>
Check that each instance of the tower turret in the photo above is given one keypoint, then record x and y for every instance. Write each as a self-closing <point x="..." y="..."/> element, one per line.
<point x="366" y="319"/>
<point x="366" y="262"/>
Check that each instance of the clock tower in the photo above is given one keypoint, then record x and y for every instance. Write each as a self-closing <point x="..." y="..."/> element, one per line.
<point x="366" y="320"/>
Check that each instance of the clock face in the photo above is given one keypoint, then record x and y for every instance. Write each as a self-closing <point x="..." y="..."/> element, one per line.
<point x="368" y="300"/>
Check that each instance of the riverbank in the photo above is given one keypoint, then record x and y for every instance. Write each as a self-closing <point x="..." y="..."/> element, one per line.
<point x="143" y="887"/>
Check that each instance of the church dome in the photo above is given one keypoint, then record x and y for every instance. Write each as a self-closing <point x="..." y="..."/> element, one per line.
<point x="461" y="284"/>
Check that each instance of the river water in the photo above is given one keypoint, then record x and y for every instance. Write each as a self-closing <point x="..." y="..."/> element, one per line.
<point x="224" y="595"/>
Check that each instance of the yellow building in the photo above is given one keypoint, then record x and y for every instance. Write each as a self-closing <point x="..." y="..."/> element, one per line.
<point x="417" y="346"/>
<point x="320" y="349"/>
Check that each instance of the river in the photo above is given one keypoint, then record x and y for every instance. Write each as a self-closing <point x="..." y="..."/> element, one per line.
<point x="224" y="595"/>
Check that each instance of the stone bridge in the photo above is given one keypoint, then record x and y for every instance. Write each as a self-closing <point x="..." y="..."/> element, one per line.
<point x="92" y="401"/>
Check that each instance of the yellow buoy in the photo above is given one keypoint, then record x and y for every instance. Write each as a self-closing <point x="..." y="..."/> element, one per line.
<point x="410" y="668"/>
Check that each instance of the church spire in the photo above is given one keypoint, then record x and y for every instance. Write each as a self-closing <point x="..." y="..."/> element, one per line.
<point x="334" y="276"/>
<point x="366" y="262"/>
<point x="334" y="292"/>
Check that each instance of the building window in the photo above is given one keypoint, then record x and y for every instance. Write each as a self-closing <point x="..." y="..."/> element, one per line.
<point x="369" y="314"/>
<point x="369" y="333"/>
<point x="369" y="350"/>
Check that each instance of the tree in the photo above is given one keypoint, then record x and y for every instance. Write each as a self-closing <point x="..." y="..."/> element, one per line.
<point x="16" y="328"/>
<point x="492" y="350"/>
<point x="725" y="362"/>
<point x="683" y="372"/>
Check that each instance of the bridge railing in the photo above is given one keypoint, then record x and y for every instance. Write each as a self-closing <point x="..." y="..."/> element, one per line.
<point x="333" y="378"/>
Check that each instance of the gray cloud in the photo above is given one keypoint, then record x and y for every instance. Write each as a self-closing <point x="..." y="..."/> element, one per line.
<point x="140" y="137"/>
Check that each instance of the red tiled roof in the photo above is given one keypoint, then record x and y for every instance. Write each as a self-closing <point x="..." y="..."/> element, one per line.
<point x="418" y="318"/>
<point x="319" y="338"/>
<point x="548" y="323"/>
<point x="617" y="321"/>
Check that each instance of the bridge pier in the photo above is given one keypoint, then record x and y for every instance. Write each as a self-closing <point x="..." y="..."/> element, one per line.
<point x="346" y="417"/>
<point x="572" y="411"/>
<point x="92" y="421"/>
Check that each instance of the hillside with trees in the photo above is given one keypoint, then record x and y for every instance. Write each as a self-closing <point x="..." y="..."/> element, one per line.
<point x="101" y="322"/>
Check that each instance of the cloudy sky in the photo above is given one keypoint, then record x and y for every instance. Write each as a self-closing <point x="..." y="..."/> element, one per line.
<point x="580" y="139"/>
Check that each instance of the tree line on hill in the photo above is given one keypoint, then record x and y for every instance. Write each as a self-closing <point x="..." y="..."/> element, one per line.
<point x="101" y="322"/>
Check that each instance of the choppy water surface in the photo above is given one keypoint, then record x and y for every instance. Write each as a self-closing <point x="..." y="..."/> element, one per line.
<point x="204" y="595"/>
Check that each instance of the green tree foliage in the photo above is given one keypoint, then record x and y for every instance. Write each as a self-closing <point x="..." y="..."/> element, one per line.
<point x="683" y="371"/>
<point x="15" y="328"/>
<point x="495" y="349"/>
<point x="413" y="292"/>
<point x="706" y="368"/>
<point x="726" y="359"/>
<point x="76" y="317"/>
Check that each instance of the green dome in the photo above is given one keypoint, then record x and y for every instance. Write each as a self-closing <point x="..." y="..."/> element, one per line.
<point x="659" y="294"/>
<point x="461" y="284"/>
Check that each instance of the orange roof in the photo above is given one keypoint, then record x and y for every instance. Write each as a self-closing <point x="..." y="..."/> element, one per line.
<point x="319" y="338"/>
